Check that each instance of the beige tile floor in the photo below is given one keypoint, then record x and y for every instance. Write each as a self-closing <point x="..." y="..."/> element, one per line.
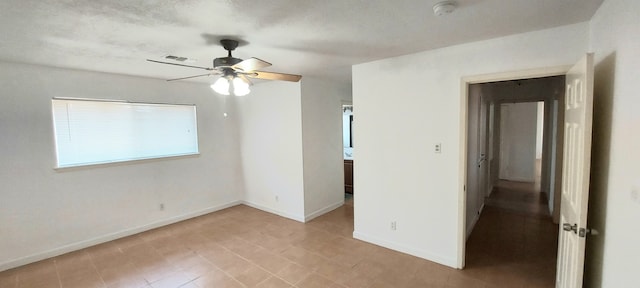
<point x="245" y="247"/>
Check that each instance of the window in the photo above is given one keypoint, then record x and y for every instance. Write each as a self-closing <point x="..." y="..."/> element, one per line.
<point x="91" y="132"/>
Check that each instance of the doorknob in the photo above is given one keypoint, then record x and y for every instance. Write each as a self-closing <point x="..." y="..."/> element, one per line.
<point x="586" y="231"/>
<point x="569" y="227"/>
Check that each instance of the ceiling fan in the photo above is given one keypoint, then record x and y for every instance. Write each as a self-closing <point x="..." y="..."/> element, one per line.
<point x="235" y="72"/>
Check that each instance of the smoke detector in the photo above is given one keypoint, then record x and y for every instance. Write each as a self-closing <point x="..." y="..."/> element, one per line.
<point x="444" y="8"/>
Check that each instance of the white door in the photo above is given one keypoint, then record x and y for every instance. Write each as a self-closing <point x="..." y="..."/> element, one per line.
<point x="575" y="173"/>
<point x="473" y="157"/>
<point x="483" y="123"/>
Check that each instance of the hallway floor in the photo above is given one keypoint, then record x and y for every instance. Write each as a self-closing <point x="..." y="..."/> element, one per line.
<point x="515" y="239"/>
<point x="246" y="247"/>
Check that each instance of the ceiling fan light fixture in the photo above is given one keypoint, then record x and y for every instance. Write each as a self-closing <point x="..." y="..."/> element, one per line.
<point x="231" y="85"/>
<point x="221" y="86"/>
<point x="240" y="87"/>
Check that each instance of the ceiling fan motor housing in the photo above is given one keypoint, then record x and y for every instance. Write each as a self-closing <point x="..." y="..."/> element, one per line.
<point x="225" y="62"/>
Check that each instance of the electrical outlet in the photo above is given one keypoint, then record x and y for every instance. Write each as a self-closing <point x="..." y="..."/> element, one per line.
<point x="393" y="225"/>
<point x="161" y="206"/>
<point x="277" y="198"/>
<point x="438" y="148"/>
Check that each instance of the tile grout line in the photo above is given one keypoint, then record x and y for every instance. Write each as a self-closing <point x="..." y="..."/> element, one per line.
<point x="55" y="265"/>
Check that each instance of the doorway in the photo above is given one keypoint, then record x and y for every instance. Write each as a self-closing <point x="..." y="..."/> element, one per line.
<point x="512" y="152"/>
<point x="347" y="143"/>
<point x="571" y="187"/>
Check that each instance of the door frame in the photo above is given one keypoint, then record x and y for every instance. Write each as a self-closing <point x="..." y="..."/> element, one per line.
<point x="462" y="172"/>
<point x="474" y="151"/>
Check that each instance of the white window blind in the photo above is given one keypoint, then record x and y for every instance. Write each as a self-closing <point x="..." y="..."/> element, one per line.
<point x="91" y="132"/>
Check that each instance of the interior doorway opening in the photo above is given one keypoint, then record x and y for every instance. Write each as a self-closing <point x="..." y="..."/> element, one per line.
<point x="347" y="143"/>
<point x="514" y="129"/>
<point x="514" y="133"/>
<point x="574" y="111"/>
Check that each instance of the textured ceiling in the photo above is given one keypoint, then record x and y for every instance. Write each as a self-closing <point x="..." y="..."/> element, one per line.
<point x="311" y="38"/>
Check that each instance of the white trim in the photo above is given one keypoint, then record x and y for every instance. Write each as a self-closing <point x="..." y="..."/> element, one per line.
<point x="518" y="179"/>
<point x="451" y="262"/>
<point x="464" y="97"/>
<point x="475" y="221"/>
<point x="462" y="178"/>
<point x="515" y="75"/>
<point x="469" y="228"/>
<point x="323" y="211"/>
<point x="346" y="102"/>
<point x="298" y="218"/>
<point x="109" y="237"/>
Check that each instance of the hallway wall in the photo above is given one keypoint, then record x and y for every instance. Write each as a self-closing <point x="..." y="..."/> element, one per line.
<point x="518" y="123"/>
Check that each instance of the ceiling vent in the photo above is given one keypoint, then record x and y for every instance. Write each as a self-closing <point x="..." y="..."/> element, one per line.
<point x="176" y="58"/>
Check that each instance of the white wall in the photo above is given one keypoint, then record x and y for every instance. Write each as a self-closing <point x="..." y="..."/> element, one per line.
<point x="539" y="129"/>
<point x="291" y="135"/>
<point x="271" y="148"/>
<point x="322" y="145"/>
<point x="251" y="156"/>
<point x="423" y="193"/>
<point x="518" y="141"/>
<point x="555" y="162"/>
<point x="613" y="257"/>
<point x="45" y="212"/>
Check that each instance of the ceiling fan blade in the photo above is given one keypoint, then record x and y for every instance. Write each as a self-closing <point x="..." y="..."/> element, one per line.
<point x="274" y="76"/>
<point x="190" y="66"/>
<point x="251" y="64"/>
<point x="189" y="77"/>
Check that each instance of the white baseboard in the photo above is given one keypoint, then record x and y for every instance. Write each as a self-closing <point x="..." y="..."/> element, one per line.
<point x="519" y="179"/>
<point x="323" y="211"/>
<point x="298" y="218"/>
<point x="473" y="223"/>
<point x="109" y="237"/>
<point x="407" y="250"/>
